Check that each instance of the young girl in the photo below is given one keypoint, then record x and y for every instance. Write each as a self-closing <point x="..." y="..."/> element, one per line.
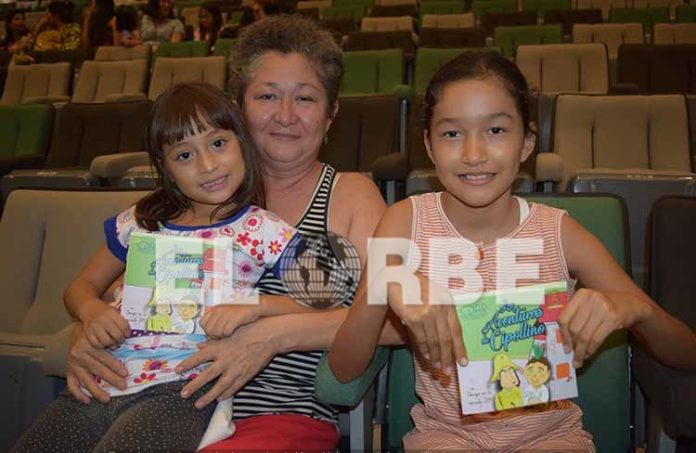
<point x="209" y="24"/>
<point x="126" y="32"/>
<point x="208" y="184"/>
<point x="16" y="30"/>
<point x="477" y="131"/>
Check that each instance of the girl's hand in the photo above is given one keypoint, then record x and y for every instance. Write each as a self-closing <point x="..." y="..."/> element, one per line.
<point x="104" y="326"/>
<point x="221" y="321"/>
<point x="433" y="327"/>
<point x="235" y="361"/>
<point x="591" y="316"/>
<point x="85" y="362"/>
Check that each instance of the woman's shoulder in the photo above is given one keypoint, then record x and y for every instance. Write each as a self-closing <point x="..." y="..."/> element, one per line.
<point x="357" y="189"/>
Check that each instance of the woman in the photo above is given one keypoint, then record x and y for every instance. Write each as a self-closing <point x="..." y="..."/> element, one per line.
<point x="159" y="24"/>
<point x="288" y="72"/>
<point x="209" y="24"/>
<point x="57" y="30"/>
<point x="98" y="26"/>
<point x="17" y="31"/>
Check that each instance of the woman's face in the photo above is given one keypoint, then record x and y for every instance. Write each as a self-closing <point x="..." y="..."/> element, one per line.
<point x="205" y="19"/>
<point x="286" y="108"/>
<point x="165" y="7"/>
<point x="17" y="22"/>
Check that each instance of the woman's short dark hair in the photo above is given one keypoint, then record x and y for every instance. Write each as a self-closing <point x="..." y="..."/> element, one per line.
<point x="183" y="110"/>
<point x="480" y="65"/>
<point x="288" y="34"/>
<point x="64" y="9"/>
<point x="214" y="11"/>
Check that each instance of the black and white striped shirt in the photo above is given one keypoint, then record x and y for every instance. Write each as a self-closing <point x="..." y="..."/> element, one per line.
<point x="286" y="385"/>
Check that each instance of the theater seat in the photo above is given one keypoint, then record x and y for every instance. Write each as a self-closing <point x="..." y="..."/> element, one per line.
<point x="110" y="81"/>
<point x="37" y="83"/>
<point x="674" y="34"/>
<point x="664" y="68"/>
<point x="115" y="53"/>
<point x="464" y="20"/>
<point x="47" y="237"/>
<point x="25" y="131"/>
<point x="170" y="71"/>
<point x="508" y="38"/>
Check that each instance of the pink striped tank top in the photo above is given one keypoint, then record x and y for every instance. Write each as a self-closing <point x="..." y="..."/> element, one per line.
<point x="439" y="421"/>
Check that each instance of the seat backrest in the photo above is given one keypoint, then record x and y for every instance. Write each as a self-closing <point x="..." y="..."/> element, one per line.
<point x="354" y="12"/>
<point x="170" y="71"/>
<point x="670" y="4"/>
<point x="603" y="386"/>
<point x="565" y="68"/>
<point x="99" y="79"/>
<point x="674" y="34"/>
<point x="379" y="40"/>
<point x="428" y="62"/>
<point x="190" y="15"/>
<point x="82" y="132"/>
<point x="223" y="47"/>
<point x="672" y="247"/>
<point x="366" y="127"/>
<point x="442" y="7"/>
<point x="613" y="35"/>
<point x="308" y="4"/>
<point x="621" y="132"/>
<point x="47" y="237"/>
<point x="394" y="10"/>
<point x="113" y="53"/>
<point x="182" y="49"/>
<point x="452" y="37"/>
<point x="372" y="71"/>
<point x="464" y="20"/>
<point x="664" y="68"/>
<point x="366" y="3"/>
<point x="395" y="3"/>
<point x="646" y="16"/>
<point x="508" y="38"/>
<point x="541" y="6"/>
<point x="387" y="23"/>
<point x="491" y="20"/>
<point x="25" y="129"/>
<point x="686" y="13"/>
<point x="604" y="5"/>
<point x="570" y="17"/>
<point x="482" y="7"/>
<point x="35" y="80"/>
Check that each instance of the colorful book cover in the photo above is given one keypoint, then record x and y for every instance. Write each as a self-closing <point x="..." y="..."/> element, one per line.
<point x="515" y="349"/>
<point x="170" y="280"/>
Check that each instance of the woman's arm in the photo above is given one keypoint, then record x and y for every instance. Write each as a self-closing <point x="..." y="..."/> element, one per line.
<point x="612" y="301"/>
<point x="86" y="26"/>
<point x="104" y="326"/>
<point x="177" y="32"/>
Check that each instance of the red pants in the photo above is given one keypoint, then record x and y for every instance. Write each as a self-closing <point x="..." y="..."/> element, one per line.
<point x="287" y="432"/>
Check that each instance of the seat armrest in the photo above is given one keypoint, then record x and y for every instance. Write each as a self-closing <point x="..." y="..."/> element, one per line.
<point x="392" y="167"/>
<point x="329" y="390"/>
<point x="126" y="97"/>
<point x="404" y="92"/>
<point x="56" y="353"/>
<point x="549" y="167"/>
<point x="112" y="166"/>
<point x="46" y="99"/>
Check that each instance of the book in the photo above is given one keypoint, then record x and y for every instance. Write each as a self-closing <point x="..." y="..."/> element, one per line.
<point x="170" y="280"/>
<point x="515" y="349"/>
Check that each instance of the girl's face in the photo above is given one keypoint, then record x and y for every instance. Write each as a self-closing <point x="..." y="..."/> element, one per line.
<point x="477" y="141"/>
<point x="286" y="108"/>
<point x="207" y="167"/>
<point x="17" y="22"/>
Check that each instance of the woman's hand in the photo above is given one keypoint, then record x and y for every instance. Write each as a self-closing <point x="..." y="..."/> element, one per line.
<point x="84" y="362"/>
<point x="235" y="361"/>
<point x="591" y="316"/>
<point x="432" y="322"/>
<point x="222" y="320"/>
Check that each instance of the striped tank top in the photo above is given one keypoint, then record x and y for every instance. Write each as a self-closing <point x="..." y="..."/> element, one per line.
<point x="439" y="421"/>
<point x="286" y="385"/>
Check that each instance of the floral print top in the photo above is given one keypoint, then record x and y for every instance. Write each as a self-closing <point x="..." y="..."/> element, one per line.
<point x="260" y="239"/>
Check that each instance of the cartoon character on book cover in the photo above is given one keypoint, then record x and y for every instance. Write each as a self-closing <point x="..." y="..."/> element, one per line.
<point x="515" y="349"/>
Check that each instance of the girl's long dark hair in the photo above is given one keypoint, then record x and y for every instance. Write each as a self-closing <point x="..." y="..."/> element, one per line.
<point x="213" y="10"/>
<point x="99" y="30"/>
<point x="184" y="110"/>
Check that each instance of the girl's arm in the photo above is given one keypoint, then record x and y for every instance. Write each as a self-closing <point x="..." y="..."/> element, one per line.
<point x="86" y="25"/>
<point x="103" y="324"/>
<point x="613" y="301"/>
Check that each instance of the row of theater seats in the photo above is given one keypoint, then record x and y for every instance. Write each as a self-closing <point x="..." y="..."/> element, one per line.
<point x="47" y="236"/>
